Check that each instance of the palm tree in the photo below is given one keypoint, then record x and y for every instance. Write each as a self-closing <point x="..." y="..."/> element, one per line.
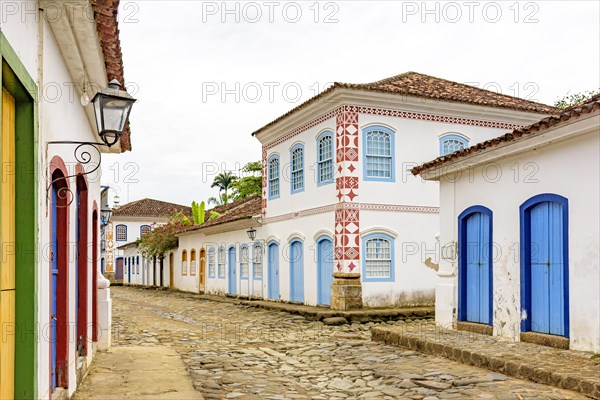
<point x="218" y="201"/>
<point x="223" y="181"/>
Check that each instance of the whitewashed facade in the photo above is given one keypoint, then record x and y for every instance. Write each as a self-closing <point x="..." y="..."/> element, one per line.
<point x="536" y="202"/>
<point x="48" y="304"/>
<point x="324" y="213"/>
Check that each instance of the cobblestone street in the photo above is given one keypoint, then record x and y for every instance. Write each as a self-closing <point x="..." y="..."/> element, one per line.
<point x="232" y="351"/>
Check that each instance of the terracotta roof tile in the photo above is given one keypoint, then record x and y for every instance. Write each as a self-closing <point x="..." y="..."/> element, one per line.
<point x="587" y="107"/>
<point x="151" y="208"/>
<point x="421" y="85"/>
<point x="107" y="25"/>
<point x="238" y="210"/>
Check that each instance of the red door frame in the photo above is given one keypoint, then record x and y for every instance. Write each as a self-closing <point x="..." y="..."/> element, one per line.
<point x="62" y="285"/>
<point x="82" y="265"/>
<point x="95" y="274"/>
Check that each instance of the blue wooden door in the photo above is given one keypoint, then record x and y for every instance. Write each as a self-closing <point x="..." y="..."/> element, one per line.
<point x="478" y="268"/>
<point x="297" y="272"/>
<point x="324" y="271"/>
<point x="129" y="270"/>
<point x="232" y="276"/>
<point x="273" y="271"/>
<point x="547" y="269"/>
<point x="53" y="294"/>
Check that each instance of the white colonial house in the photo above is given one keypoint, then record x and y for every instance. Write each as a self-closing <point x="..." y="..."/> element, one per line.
<point x="55" y="56"/>
<point x="121" y="259"/>
<point x="342" y="221"/>
<point x="523" y="211"/>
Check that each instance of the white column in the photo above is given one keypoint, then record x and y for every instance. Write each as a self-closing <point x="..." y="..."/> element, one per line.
<point x="104" y="314"/>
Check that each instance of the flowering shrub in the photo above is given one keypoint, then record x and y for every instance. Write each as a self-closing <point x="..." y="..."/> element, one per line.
<point x="162" y="238"/>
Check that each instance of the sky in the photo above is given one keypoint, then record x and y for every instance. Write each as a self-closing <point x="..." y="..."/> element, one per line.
<point x="208" y="74"/>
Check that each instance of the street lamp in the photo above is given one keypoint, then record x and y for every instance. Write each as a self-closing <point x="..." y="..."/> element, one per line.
<point x="105" y="215"/>
<point x="251" y="234"/>
<point x="112" y="107"/>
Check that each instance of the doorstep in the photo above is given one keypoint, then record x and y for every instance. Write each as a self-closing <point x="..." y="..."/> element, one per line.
<point x="567" y="369"/>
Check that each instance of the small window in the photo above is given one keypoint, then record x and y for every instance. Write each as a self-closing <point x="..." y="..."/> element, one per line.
<point x="211" y="262"/>
<point x="325" y="158"/>
<point x="121" y="233"/>
<point x="451" y="143"/>
<point x="221" y="262"/>
<point x="257" y="261"/>
<point x="379" y="159"/>
<point x="244" y="261"/>
<point x="379" y="251"/>
<point x="297" y="157"/>
<point x="145" y="229"/>
<point x="184" y="263"/>
<point x="193" y="262"/>
<point x="274" y="177"/>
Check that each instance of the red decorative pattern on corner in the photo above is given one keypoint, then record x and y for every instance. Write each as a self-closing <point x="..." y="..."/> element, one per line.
<point x="347" y="214"/>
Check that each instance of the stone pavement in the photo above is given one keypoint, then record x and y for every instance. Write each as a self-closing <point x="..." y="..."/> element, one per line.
<point x="137" y="372"/>
<point x="566" y="369"/>
<point x="238" y="351"/>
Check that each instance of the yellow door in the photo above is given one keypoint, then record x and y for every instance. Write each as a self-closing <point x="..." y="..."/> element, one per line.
<point x="7" y="250"/>
<point x="201" y="274"/>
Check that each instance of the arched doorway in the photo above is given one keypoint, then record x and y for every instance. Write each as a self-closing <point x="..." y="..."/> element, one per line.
<point x="231" y="274"/>
<point x="59" y="281"/>
<point x="81" y="279"/>
<point x="324" y="270"/>
<point x="297" y="271"/>
<point x="171" y="273"/>
<point x="273" y="279"/>
<point x="545" y="264"/>
<point x="202" y="272"/>
<point x="475" y="273"/>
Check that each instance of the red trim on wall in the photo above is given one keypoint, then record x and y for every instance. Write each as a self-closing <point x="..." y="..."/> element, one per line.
<point x="58" y="171"/>
<point x="95" y="272"/>
<point x="82" y="265"/>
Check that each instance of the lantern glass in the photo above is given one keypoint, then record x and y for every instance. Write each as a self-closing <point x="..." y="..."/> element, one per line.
<point x="112" y="108"/>
<point x="105" y="215"/>
<point x="251" y="234"/>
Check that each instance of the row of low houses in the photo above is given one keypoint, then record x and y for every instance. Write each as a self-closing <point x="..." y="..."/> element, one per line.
<point x="505" y="243"/>
<point x="55" y="56"/>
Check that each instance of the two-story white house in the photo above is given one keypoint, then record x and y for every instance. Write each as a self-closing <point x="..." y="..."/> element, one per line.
<point x="121" y="259"/>
<point x="343" y="222"/>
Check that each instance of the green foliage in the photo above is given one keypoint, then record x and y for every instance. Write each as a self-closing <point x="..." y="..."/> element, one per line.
<point x="223" y="181"/>
<point x="595" y="356"/>
<point x="198" y="212"/>
<point x="162" y="238"/>
<point x="570" y="100"/>
<point x="251" y="183"/>
<point x="213" y="215"/>
<point x="218" y="201"/>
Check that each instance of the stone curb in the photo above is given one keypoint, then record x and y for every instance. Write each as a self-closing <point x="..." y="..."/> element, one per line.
<point x="514" y="368"/>
<point x="321" y="313"/>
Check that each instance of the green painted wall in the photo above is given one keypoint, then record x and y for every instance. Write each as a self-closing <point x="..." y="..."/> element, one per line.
<point x="15" y="78"/>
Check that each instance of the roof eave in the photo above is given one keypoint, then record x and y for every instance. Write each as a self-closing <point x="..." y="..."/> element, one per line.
<point x="242" y="223"/>
<point x="569" y="129"/>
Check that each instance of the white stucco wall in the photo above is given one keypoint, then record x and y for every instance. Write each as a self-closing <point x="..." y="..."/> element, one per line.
<point x="568" y="168"/>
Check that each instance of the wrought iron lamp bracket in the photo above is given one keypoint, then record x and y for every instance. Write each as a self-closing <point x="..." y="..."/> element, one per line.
<point x="83" y="157"/>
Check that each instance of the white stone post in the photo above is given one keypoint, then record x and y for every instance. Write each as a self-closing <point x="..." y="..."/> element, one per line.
<point x="104" y="314"/>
